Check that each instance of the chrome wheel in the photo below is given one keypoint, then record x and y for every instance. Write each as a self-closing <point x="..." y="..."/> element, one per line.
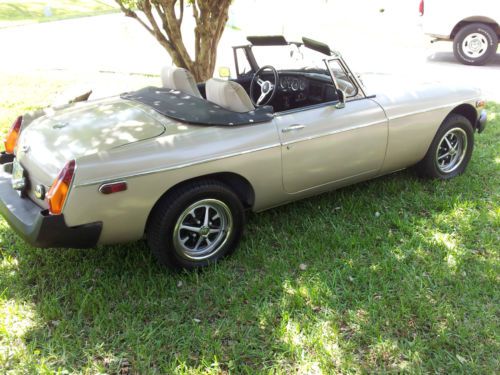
<point x="475" y="45"/>
<point x="451" y="150"/>
<point x="202" y="229"/>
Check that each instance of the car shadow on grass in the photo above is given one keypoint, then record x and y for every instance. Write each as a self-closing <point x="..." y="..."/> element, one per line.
<point x="396" y="274"/>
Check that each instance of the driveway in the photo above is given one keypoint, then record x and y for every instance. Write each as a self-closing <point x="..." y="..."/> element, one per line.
<point x="376" y="44"/>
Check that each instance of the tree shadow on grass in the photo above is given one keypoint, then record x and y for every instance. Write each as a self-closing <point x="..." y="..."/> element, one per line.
<point x="394" y="274"/>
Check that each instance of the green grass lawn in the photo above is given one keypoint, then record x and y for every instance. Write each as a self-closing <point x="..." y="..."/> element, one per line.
<point x="18" y="12"/>
<point x="402" y="275"/>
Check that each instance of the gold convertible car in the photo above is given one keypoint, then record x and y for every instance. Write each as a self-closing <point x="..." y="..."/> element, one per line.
<point x="181" y="164"/>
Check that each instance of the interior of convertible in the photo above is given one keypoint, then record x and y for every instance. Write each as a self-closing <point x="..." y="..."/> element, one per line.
<point x="272" y="72"/>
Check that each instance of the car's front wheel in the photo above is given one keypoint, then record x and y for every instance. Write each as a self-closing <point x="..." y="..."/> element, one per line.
<point x="450" y="150"/>
<point x="474" y="44"/>
<point x="196" y="225"/>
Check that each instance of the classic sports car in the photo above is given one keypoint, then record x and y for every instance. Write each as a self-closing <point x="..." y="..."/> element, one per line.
<point x="182" y="163"/>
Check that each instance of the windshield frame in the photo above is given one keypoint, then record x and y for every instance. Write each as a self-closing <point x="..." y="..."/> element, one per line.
<point x="252" y="62"/>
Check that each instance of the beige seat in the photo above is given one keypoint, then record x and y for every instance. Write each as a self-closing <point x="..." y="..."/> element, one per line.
<point x="179" y="79"/>
<point x="229" y="95"/>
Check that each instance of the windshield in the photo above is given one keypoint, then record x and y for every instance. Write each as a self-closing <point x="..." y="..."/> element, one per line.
<point x="289" y="57"/>
<point x="298" y="58"/>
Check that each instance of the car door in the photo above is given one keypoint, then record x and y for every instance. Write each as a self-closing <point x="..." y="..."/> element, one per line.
<point x="324" y="144"/>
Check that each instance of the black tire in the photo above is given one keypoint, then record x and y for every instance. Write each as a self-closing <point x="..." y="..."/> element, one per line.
<point x="486" y="33"/>
<point x="428" y="166"/>
<point x="163" y="233"/>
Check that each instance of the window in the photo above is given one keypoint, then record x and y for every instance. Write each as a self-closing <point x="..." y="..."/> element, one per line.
<point x="243" y="64"/>
<point x="342" y="78"/>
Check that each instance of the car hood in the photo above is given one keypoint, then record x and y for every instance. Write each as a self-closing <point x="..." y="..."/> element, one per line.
<point x="51" y="141"/>
<point x="400" y="96"/>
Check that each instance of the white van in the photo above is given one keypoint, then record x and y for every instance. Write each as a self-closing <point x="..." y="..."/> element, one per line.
<point x="473" y="26"/>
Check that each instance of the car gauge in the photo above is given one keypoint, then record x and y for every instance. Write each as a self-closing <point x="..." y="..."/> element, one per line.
<point x="283" y="83"/>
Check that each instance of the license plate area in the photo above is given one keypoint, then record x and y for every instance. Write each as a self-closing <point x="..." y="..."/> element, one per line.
<point x="18" y="176"/>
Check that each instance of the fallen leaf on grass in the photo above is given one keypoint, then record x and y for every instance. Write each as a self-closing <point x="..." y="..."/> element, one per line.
<point x="124" y="367"/>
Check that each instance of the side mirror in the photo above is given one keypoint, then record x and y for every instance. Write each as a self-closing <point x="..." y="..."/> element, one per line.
<point x="342" y="98"/>
<point x="224" y="72"/>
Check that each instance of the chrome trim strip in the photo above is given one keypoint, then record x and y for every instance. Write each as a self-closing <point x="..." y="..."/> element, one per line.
<point x="322" y="105"/>
<point x="466" y="101"/>
<point x="303" y="109"/>
<point x="334" y="132"/>
<point x="179" y="166"/>
<point x="90" y="183"/>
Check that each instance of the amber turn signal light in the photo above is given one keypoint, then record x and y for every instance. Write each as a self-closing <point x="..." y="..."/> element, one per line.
<point x="60" y="189"/>
<point x="10" y="141"/>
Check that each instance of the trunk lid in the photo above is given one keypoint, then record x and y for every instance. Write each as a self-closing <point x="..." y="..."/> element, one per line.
<point x="49" y="142"/>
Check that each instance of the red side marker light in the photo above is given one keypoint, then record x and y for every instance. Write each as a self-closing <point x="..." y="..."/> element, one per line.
<point x="113" y="187"/>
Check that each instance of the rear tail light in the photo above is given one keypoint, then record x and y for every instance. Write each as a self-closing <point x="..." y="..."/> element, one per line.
<point x="10" y="141"/>
<point x="421" y="7"/>
<point x="60" y="188"/>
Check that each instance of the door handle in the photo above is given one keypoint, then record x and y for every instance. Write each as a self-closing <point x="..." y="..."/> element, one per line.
<point x="292" y="128"/>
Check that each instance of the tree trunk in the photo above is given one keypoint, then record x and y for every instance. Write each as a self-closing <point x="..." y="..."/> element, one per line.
<point x="210" y="17"/>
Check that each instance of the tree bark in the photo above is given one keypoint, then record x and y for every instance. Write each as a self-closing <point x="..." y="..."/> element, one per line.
<point x="163" y="23"/>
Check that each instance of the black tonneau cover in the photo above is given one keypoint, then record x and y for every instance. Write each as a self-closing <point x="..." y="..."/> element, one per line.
<point x="193" y="110"/>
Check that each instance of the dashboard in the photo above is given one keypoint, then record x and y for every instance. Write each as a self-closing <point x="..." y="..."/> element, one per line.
<point x="291" y="83"/>
<point x="299" y="89"/>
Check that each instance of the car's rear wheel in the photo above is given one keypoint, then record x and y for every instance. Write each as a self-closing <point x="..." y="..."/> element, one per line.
<point x="475" y="43"/>
<point x="196" y="225"/>
<point x="450" y="150"/>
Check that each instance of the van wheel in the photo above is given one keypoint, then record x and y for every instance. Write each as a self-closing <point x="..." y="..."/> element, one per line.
<point x="474" y="44"/>
<point x="450" y="150"/>
<point x="196" y="225"/>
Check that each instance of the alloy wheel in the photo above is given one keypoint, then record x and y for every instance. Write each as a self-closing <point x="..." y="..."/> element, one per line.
<point x="451" y="150"/>
<point x="202" y="229"/>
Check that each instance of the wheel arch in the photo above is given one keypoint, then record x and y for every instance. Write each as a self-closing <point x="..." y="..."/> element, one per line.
<point x="237" y="183"/>
<point x="466" y="110"/>
<point x="475" y="19"/>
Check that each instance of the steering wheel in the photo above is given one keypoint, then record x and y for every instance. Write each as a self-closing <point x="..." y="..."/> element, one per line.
<point x="266" y="87"/>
